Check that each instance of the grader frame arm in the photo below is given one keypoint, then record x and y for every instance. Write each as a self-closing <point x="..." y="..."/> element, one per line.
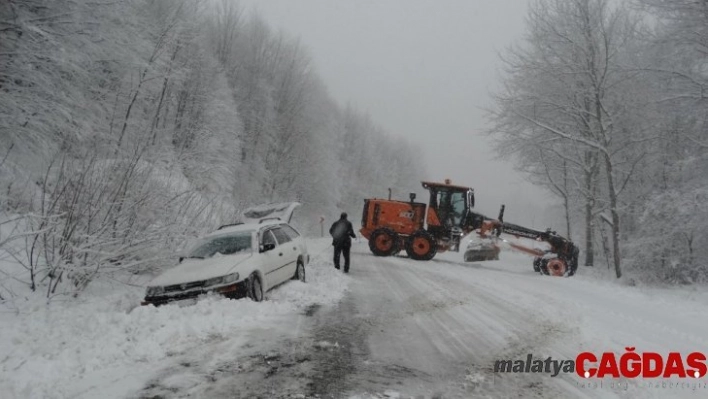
<point x="560" y="260"/>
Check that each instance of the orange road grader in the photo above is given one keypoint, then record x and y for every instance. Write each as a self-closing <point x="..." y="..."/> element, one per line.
<point x="423" y="230"/>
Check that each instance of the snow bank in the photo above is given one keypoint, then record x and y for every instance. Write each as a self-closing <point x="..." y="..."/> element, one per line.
<point x="103" y="345"/>
<point x="325" y="284"/>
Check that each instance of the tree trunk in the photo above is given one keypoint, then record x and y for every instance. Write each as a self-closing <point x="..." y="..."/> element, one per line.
<point x="566" y="200"/>
<point x="566" y="204"/>
<point x="589" y="232"/>
<point x="156" y="119"/>
<point x="615" y="216"/>
<point x="127" y="112"/>
<point x="589" y="205"/>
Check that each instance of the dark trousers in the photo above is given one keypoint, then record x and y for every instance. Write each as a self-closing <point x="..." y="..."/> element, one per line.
<point x="344" y="250"/>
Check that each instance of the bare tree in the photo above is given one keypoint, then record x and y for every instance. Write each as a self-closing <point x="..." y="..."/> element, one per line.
<point x="567" y="91"/>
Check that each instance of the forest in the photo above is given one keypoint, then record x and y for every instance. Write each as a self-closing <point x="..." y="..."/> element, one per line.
<point x="129" y="127"/>
<point x="603" y="103"/>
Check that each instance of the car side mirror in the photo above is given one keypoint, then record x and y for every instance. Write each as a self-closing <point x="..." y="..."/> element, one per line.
<point x="267" y="247"/>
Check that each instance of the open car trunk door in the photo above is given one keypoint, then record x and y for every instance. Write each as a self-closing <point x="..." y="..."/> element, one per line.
<point x="280" y="210"/>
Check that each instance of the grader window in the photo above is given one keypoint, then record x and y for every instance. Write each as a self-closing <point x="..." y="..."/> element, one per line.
<point x="457" y="207"/>
<point x="451" y="206"/>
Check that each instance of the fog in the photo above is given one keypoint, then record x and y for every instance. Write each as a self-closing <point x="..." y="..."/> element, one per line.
<point x="423" y="70"/>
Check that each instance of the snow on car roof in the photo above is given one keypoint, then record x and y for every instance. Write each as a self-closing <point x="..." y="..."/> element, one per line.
<point x="245" y="227"/>
<point x="281" y="210"/>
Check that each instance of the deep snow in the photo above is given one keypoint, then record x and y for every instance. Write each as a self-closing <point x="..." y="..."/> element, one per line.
<point x="103" y="344"/>
<point x="392" y="328"/>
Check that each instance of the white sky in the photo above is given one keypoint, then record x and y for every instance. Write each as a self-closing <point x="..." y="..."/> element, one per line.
<point x="423" y="70"/>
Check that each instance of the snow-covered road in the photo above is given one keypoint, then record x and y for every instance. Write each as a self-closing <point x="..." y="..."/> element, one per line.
<point x="393" y="327"/>
<point x="446" y="322"/>
<point x="435" y="329"/>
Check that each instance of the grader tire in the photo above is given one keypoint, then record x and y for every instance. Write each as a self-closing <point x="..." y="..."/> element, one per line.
<point x="384" y="242"/>
<point x="421" y="246"/>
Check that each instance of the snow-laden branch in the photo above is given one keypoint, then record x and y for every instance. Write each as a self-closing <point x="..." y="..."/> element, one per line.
<point x="561" y="134"/>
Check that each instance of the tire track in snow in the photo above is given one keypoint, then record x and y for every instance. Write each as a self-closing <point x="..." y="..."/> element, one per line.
<point x="436" y="327"/>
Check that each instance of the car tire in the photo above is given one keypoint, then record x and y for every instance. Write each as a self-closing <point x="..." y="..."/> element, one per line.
<point x="255" y="288"/>
<point x="300" y="272"/>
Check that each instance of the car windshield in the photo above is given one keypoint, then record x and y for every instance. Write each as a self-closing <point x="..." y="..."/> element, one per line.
<point x="226" y="244"/>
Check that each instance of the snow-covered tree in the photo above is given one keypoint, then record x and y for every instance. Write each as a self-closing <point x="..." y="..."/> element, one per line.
<point x="127" y="127"/>
<point x="570" y="100"/>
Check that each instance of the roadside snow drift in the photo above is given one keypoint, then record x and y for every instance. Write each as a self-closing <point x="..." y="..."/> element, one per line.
<point x="104" y="345"/>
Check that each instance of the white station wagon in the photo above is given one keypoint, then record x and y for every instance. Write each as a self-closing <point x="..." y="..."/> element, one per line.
<point x="243" y="259"/>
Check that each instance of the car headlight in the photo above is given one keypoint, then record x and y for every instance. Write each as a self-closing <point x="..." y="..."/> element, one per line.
<point x="213" y="281"/>
<point x="155" y="291"/>
<point x="231" y="278"/>
<point x="224" y="280"/>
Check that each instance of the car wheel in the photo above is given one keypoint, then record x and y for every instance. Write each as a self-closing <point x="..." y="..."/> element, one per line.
<point x="255" y="288"/>
<point x="300" y="272"/>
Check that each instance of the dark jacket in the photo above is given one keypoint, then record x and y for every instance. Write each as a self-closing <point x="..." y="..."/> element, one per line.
<point x="342" y="233"/>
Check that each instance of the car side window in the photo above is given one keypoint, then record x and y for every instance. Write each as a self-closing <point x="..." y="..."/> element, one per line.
<point x="280" y="235"/>
<point x="292" y="233"/>
<point x="268" y="238"/>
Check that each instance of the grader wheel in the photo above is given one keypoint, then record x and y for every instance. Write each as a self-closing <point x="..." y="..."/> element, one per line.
<point x="384" y="242"/>
<point x="556" y="267"/>
<point x="421" y="246"/>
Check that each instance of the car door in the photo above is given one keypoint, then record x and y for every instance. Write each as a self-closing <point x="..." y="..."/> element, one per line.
<point x="298" y="241"/>
<point x="288" y="249"/>
<point x="271" y="258"/>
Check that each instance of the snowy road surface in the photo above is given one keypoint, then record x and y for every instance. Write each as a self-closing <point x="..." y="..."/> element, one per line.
<point x="435" y="329"/>
<point x="393" y="327"/>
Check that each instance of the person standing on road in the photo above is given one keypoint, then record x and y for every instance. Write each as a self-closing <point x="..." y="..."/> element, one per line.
<point x="342" y="233"/>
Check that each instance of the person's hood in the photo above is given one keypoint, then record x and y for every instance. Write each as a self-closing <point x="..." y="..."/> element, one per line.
<point x="281" y="210"/>
<point x="200" y="269"/>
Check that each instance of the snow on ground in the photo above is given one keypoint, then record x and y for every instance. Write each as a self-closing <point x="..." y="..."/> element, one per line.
<point x="403" y="328"/>
<point x="103" y="344"/>
<point x="435" y="329"/>
<point x="597" y="315"/>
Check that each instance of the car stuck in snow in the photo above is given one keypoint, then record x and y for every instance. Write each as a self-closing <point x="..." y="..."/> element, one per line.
<point x="245" y="259"/>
